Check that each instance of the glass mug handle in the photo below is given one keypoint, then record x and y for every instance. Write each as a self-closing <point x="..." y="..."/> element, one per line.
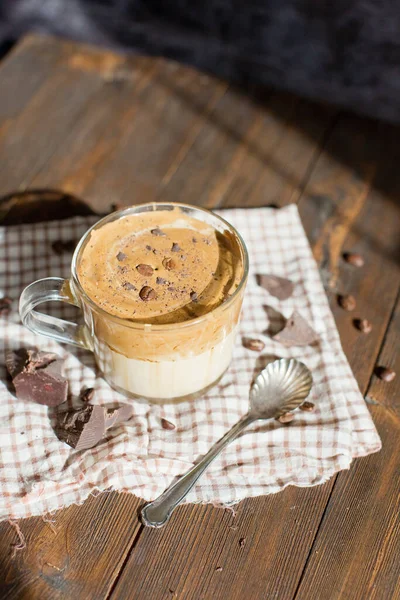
<point x="50" y="289"/>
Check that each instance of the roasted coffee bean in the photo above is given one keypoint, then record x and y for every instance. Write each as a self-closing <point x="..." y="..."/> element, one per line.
<point x="157" y="231"/>
<point x="145" y="270"/>
<point x="253" y="344"/>
<point x="347" y="302"/>
<point x="286" y="418"/>
<point x="363" y="325"/>
<point x="307" y="406"/>
<point x="169" y="264"/>
<point x="5" y="305"/>
<point x="87" y="395"/>
<point x="147" y="293"/>
<point x="354" y="259"/>
<point x="385" y="373"/>
<point x="167" y="425"/>
<point x="121" y="256"/>
<point x="176" y="247"/>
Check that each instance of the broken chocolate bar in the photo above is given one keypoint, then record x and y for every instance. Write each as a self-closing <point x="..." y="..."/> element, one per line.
<point x="86" y="427"/>
<point x="37" y="376"/>
<point x="279" y="287"/>
<point x="297" y="332"/>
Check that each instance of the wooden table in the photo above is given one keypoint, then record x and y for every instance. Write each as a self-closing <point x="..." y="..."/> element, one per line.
<point x="81" y="129"/>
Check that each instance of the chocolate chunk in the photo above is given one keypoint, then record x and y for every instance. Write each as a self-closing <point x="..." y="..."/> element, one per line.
<point x="147" y="293"/>
<point x="242" y="542"/>
<point x="5" y="305"/>
<point x="253" y="344"/>
<point x="167" y="425"/>
<point x="128" y="286"/>
<point x="307" y="406"/>
<point x="194" y="297"/>
<point x="62" y="247"/>
<point x="297" y="332"/>
<point x="286" y="418"/>
<point x="279" y="287"/>
<point x="169" y="264"/>
<point x="176" y="247"/>
<point x="354" y="259"/>
<point x="84" y="428"/>
<point x="145" y="270"/>
<point x="121" y="256"/>
<point x="385" y="373"/>
<point x="37" y="376"/>
<point x="87" y="394"/>
<point x="161" y="281"/>
<point x="363" y="325"/>
<point x="157" y="231"/>
<point x="347" y="302"/>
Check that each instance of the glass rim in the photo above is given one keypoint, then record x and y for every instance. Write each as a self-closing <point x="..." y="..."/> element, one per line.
<point x="157" y="326"/>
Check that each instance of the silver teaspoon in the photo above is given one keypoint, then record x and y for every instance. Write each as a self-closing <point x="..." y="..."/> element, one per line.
<point x="281" y="387"/>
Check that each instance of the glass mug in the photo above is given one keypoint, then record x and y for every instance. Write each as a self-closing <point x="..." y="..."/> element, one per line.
<point x="157" y="362"/>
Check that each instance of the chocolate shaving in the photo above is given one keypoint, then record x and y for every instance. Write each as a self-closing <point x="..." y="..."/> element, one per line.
<point x="297" y="332"/>
<point x="147" y="293"/>
<point x="37" y="376"/>
<point x="5" y="305"/>
<point x="167" y="425"/>
<point x="87" y="394"/>
<point x="121" y="256"/>
<point x="279" y="287"/>
<point x="157" y="231"/>
<point x="176" y="247"/>
<point x="145" y="270"/>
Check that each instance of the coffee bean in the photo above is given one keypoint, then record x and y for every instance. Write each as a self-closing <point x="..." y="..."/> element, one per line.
<point x="307" y="406"/>
<point x="347" y="302"/>
<point x="157" y="231"/>
<point x="176" y="247"/>
<point x="385" y="373"/>
<point x="363" y="325"/>
<point x="147" y="293"/>
<point x="286" y="418"/>
<point x="242" y="542"/>
<point x="167" y="425"/>
<point x="87" y="394"/>
<point x="121" y="256"/>
<point x="354" y="259"/>
<point x="169" y="264"/>
<point x="145" y="270"/>
<point x="194" y="297"/>
<point x="253" y="344"/>
<point x="5" y="305"/>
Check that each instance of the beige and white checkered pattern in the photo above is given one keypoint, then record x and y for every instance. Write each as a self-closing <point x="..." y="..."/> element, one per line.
<point x="39" y="474"/>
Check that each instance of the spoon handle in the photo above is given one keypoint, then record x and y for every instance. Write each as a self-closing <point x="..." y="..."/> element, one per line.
<point x="157" y="513"/>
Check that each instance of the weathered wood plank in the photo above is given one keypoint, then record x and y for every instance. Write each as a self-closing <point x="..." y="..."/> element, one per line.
<point x="159" y="559"/>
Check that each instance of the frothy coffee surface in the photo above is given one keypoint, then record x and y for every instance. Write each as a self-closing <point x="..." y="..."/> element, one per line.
<point x="159" y="267"/>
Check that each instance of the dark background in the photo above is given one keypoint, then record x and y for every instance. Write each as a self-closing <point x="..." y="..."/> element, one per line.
<point x="345" y="52"/>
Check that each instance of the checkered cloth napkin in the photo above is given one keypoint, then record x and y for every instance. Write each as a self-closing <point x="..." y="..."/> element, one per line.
<point x="39" y="473"/>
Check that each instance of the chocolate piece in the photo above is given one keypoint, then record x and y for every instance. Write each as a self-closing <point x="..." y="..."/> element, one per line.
<point x="279" y="287"/>
<point x="87" y="394"/>
<point x="253" y="344"/>
<point x="145" y="270"/>
<point x="363" y="325"/>
<point x="354" y="259"/>
<point x="307" y="406"/>
<point x="385" y="373"/>
<point x="169" y="264"/>
<point x="147" y="293"/>
<point x="167" y="425"/>
<point x="85" y="428"/>
<point x="347" y="302"/>
<point x="128" y="286"/>
<point x="194" y="297"/>
<point x="286" y="418"/>
<point x="121" y="256"/>
<point x="161" y="281"/>
<point x="37" y="376"/>
<point x="297" y="332"/>
<point x="157" y="231"/>
<point x="5" y="305"/>
<point x="176" y="247"/>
